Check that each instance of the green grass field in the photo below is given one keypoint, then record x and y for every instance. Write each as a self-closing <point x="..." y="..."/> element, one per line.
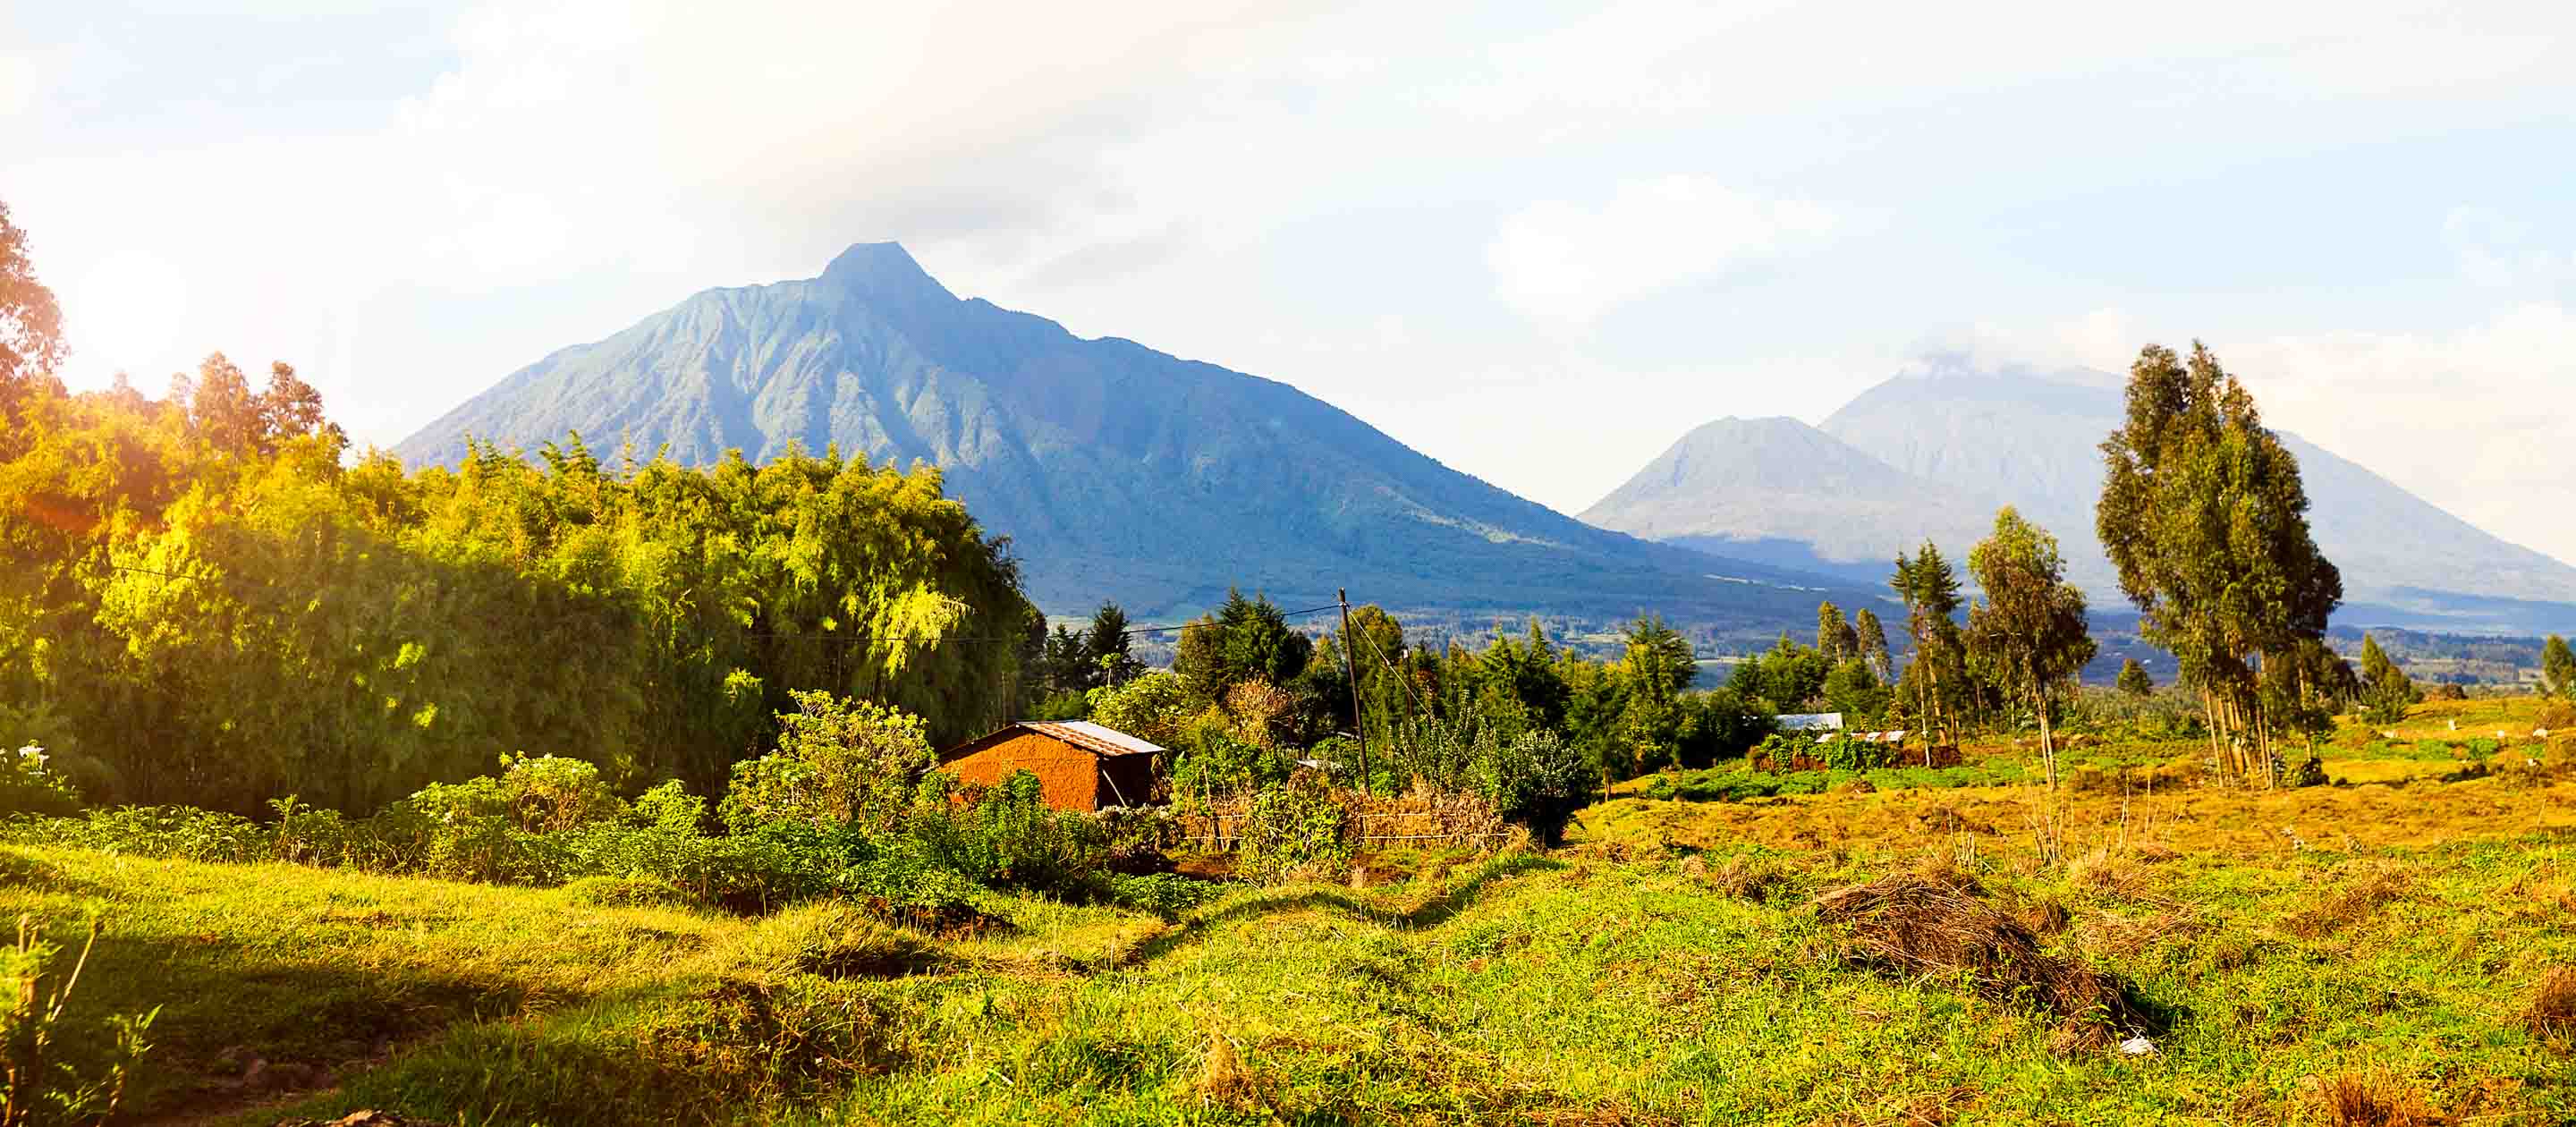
<point x="2380" y="962"/>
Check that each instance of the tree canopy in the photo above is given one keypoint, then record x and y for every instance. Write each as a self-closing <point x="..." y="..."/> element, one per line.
<point x="2029" y="631"/>
<point x="2204" y="515"/>
<point x="206" y="601"/>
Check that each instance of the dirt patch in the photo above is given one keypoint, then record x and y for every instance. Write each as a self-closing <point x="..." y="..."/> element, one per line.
<point x="1937" y="921"/>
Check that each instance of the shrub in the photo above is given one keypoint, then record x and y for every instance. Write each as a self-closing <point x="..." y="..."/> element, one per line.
<point x="1294" y="832"/>
<point x="1537" y="780"/>
<point x="43" y="1088"/>
<point x="152" y="831"/>
<point x="1137" y="837"/>
<point x="2310" y="773"/>
<point x="838" y="760"/>
<point x="1847" y="754"/>
<point x="29" y="786"/>
<point x="1011" y="838"/>
<point x="1165" y="895"/>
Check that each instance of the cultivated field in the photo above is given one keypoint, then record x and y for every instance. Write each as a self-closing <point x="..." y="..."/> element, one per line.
<point x="2398" y="947"/>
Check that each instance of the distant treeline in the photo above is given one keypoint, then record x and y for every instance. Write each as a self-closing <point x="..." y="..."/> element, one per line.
<point x="203" y="600"/>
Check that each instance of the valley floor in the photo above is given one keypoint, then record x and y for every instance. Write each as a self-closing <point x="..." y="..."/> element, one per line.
<point x="2369" y="953"/>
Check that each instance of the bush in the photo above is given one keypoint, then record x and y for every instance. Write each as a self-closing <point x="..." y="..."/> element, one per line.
<point x="1294" y="832"/>
<point x="1165" y="895"/>
<point x="43" y="1088"/>
<point x="29" y="786"/>
<point x="1010" y="838"/>
<point x="2311" y="773"/>
<point x="838" y="760"/>
<point x="1847" y="754"/>
<point x="1537" y="780"/>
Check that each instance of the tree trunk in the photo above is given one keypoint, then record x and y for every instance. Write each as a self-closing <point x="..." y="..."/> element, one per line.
<point x="2047" y="742"/>
<point x="2217" y="746"/>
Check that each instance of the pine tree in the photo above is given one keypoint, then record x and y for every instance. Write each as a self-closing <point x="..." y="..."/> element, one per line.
<point x="2134" y="679"/>
<point x="1106" y="650"/>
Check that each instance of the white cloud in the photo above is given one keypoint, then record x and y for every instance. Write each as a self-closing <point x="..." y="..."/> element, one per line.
<point x="2469" y="419"/>
<point x="1567" y="263"/>
<point x="2465" y="419"/>
<point x="2498" y="250"/>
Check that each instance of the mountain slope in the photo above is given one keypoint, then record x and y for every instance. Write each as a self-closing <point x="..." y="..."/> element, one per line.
<point x="2033" y="440"/>
<point x="1118" y="471"/>
<point x="1780" y="491"/>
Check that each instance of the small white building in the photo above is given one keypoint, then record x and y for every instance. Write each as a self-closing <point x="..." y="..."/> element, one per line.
<point x="1810" y="722"/>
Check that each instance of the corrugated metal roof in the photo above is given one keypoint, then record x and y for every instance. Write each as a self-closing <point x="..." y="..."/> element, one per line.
<point x="1091" y="737"/>
<point x="1094" y="738"/>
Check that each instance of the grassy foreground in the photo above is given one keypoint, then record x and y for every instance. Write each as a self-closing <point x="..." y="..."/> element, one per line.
<point x="2375" y="952"/>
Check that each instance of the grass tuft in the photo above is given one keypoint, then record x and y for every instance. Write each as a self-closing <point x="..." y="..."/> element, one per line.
<point x="2355" y="902"/>
<point x="2373" y="1098"/>
<point x="2552" y="1013"/>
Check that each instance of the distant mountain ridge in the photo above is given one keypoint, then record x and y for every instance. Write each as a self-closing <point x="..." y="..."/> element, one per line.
<point x="1953" y="434"/>
<point x="1118" y="471"/>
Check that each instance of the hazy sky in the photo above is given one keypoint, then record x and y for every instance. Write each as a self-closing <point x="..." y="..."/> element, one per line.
<point x="1537" y="243"/>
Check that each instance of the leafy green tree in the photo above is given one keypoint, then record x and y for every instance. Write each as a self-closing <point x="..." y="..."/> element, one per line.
<point x="1721" y="724"/>
<point x="1788" y="678"/>
<point x="2031" y="629"/>
<point x="2134" y="680"/>
<point x="31" y="324"/>
<point x="838" y="761"/>
<point x="2204" y="515"/>
<point x="1067" y="664"/>
<point x="1873" y="643"/>
<point x="221" y="622"/>
<point x="1853" y="689"/>
<point x="2557" y="667"/>
<point x="1156" y="707"/>
<point x="2386" y="690"/>
<point x="1658" y="665"/>
<point x="1835" y="637"/>
<point x="1938" y="670"/>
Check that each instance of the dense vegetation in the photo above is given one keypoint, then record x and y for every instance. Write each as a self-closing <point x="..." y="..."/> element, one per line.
<point x="205" y="600"/>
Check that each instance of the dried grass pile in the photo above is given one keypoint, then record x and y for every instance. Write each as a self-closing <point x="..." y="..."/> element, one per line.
<point x="2373" y="1099"/>
<point x="1937" y="922"/>
<point x="1421" y="818"/>
<point x="2553" y="1006"/>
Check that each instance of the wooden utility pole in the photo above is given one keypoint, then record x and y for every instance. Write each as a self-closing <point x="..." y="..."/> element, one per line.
<point x="1351" y="669"/>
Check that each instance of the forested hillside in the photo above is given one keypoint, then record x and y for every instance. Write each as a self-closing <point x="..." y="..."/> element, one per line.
<point x="204" y="601"/>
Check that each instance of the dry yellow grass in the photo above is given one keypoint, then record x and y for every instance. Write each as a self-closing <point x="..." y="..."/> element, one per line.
<point x="2199" y="819"/>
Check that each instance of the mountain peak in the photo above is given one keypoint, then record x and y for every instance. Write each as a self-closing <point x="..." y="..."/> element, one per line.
<point x="882" y="270"/>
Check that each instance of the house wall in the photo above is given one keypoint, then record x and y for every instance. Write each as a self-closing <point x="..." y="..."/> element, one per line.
<point x="1067" y="775"/>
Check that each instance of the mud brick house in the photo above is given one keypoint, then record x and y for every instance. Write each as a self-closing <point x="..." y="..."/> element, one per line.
<point x="1080" y="765"/>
